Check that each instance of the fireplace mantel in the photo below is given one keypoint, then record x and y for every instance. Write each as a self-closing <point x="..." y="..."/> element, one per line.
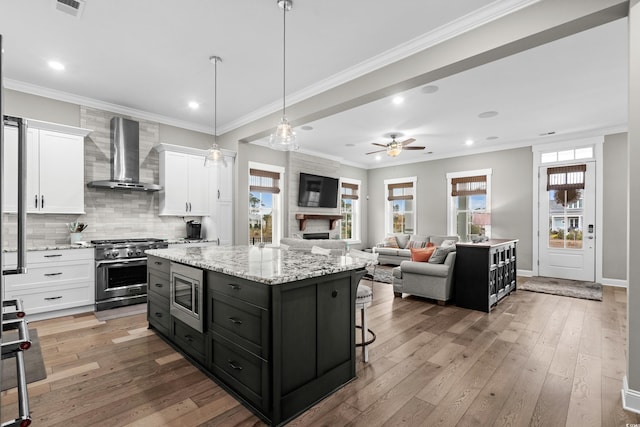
<point x="303" y="218"/>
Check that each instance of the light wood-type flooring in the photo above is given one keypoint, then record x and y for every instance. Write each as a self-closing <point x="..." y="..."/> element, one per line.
<point x="535" y="360"/>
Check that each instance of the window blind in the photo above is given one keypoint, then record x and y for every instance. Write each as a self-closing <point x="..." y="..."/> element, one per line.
<point x="566" y="177"/>
<point x="469" y="185"/>
<point x="261" y="181"/>
<point x="349" y="191"/>
<point x="400" y="191"/>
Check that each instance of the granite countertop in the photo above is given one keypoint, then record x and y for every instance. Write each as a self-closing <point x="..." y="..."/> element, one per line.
<point x="185" y="240"/>
<point x="269" y="266"/>
<point x="487" y="243"/>
<point x="53" y="247"/>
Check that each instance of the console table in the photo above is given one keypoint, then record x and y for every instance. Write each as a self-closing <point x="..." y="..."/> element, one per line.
<point x="485" y="273"/>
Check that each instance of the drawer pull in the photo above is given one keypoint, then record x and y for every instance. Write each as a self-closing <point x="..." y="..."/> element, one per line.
<point x="52" y="256"/>
<point x="234" y="365"/>
<point x="158" y="314"/>
<point x="52" y="274"/>
<point x="52" y="298"/>
<point x="235" y="321"/>
<point x="158" y="285"/>
<point x="334" y="293"/>
<point x="158" y="262"/>
<point x="234" y="286"/>
<point x="188" y="338"/>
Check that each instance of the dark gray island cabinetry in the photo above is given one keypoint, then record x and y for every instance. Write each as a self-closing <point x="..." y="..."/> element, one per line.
<point x="278" y="327"/>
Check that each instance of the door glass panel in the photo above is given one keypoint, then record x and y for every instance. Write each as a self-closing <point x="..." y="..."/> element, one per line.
<point x="566" y="219"/>
<point x="126" y="275"/>
<point x="182" y="293"/>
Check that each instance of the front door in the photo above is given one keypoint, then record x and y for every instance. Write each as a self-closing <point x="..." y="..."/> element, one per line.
<point x="567" y="221"/>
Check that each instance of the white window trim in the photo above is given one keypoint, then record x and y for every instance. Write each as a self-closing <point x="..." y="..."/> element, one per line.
<point x="357" y="212"/>
<point x="277" y="199"/>
<point x="388" y="213"/>
<point x="451" y="224"/>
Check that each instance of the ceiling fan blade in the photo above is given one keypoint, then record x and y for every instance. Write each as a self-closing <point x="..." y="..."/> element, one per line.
<point x="413" y="148"/>
<point x="379" y="151"/>
<point x="408" y="141"/>
<point x="379" y="145"/>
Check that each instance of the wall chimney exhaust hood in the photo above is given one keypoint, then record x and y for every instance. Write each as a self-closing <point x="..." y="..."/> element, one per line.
<point x="125" y="158"/>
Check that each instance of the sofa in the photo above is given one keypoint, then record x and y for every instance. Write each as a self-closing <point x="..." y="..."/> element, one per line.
<point x="427" y="280"/>
<point x="394" y="256"/>
<point x="337" y="247"/>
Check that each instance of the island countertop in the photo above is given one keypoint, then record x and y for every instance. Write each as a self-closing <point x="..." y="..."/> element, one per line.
<point x="270" y="266"/>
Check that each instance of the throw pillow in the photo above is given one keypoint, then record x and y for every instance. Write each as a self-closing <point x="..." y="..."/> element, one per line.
<point x="448" y="243"/>
<point x="440" y="254"/>
<point x="415" y="244"/>
<point x="402" y="239"/>
<point x="422" y="254"/>
<point x="390" y="242"/>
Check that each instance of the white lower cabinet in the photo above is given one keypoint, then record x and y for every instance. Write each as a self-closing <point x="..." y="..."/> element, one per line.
<point x="55" y="280"/>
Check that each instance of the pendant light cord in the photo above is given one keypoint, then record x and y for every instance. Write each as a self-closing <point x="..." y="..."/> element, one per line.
<point x="215" y="101"/>
<point x="284" y="56"/>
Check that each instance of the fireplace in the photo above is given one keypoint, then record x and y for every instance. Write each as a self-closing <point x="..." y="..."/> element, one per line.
<point x="308" y="236"/>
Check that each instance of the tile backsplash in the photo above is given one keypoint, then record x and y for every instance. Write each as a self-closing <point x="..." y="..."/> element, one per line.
<point x="109" y="213"/>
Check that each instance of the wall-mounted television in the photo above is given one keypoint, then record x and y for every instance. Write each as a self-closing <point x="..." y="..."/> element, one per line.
<point x="317" y="191"/>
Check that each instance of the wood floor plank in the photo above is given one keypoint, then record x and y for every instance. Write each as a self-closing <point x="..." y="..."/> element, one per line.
<point x="585" y="406"/>
<point x="552" y="404"/>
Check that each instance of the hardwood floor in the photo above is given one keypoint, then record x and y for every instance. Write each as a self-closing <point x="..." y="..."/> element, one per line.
<point x="535" y="360"/>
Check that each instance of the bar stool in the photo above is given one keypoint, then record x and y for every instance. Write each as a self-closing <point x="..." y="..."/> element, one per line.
<point x="364" y="296"/>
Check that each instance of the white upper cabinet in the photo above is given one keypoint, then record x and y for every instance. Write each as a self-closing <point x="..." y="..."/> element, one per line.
<point x="184" y="181"/>
<point x="55" y="170"/>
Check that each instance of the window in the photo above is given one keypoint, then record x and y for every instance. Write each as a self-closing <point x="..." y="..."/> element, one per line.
<point x="264" y="203"/>
<point x="567" y="155"/>
<point x="350" y="209"/>
<point x="401" y="201"/>
<point x="469" y="204"/>
<point x="565" y="185"/>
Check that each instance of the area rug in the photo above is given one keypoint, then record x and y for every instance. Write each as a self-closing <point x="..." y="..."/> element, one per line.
<point x="563" y="287"/>
<point x="34" y="365"/>
<point x="382" y="273"/>
<point x="116" y="313"/>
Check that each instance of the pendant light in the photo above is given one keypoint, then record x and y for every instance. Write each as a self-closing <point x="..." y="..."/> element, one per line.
<point x="214" y="156"/>
<point x="284" y="139"/>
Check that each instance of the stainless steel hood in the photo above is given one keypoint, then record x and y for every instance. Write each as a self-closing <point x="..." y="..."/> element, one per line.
<point x="125" y="158"/>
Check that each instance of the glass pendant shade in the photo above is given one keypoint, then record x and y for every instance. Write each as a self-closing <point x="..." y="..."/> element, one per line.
<point x="284" y="138"/>
<point x="214" y="157"/>
<point x="394" y="149"/>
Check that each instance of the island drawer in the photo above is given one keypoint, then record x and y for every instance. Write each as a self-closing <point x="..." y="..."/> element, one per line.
<point x="244" y="290"/>
<point x="158" y="283"/>
<point x="189" y="340"/>
<point x="158" y="313"/>
<point x="246" y="373"/>
<point x="245" y="324"/>
<point x="160" y="264"/>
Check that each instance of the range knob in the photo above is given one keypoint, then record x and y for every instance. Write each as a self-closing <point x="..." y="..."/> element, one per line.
<point x="107" y="253"/>
<point x="115" y="253"/>
<point x="138" y="251"/>
<point x="129" y="252"/>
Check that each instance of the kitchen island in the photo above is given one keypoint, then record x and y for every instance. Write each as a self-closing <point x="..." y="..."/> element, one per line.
<point x="276" y="328"/>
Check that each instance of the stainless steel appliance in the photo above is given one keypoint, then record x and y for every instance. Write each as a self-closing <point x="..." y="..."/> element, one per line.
<point x="193" y="229"/>
<point x="121" y="271"/>
<point x="186" y="290"/>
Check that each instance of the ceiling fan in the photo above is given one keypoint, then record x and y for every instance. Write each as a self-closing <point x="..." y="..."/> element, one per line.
<point x="394" y="147"/>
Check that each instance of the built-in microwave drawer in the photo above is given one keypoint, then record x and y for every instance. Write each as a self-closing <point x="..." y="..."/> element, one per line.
<point x="243" y="323"/>
<point x="189" y="340"/>
<point x="160" y="264"/>
<point x="238" y="288"/>
<point x="158" y="313"/>
<point x="246" y="373"/>
<point x="158" y="283"/>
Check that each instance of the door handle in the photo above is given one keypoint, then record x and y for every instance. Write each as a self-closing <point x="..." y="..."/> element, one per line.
<point x="35" y="202"/>
<point x="41" y="202"/>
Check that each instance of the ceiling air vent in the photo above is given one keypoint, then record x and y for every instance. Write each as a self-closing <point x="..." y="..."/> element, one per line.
<point x="70" y="7"/>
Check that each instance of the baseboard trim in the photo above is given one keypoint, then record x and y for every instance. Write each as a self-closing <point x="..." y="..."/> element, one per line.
<point x="61" y="313"/>
<point x="525" y="273"/>
<point x="630" y="398"/>
<point x="615" y="282"/>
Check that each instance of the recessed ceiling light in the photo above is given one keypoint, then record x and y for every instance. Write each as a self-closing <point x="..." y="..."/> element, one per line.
<point x="378" y="157"/>
<point x="469" y="142"/>
<point x="307" y="127"/>
<point x="488" y="114"/>
<point x="491" y="138"/>
<point x="194" y="105"/>
<point x="430" y="89"/>
<point x="349" y="145"/>
<point x="398" y="100"/>
<point x="56" y="65"/>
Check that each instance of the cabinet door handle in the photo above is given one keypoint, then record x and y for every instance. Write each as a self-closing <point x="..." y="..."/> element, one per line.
<point x="35" y="202"/>
<point x="234" y="365"/>
<point x="218" y="193"/>
<point x="186" y="206"/>
<point x="52" y="274"/>
<point x="158" y="285"/>
<point x="52" y="256"/>
<point x="234" y="286"/>
<point x="334" y="293"/>
<point x="189" y="206"/>
<point x="235" y="321"/>
<point x="188" y="338"/>
<point x="52" y="298"/>
<point x="41" y="202"/>
<point x="218" y="241"/>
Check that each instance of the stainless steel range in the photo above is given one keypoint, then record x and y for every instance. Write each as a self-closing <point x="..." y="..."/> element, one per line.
<point x="121" y="271"/>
